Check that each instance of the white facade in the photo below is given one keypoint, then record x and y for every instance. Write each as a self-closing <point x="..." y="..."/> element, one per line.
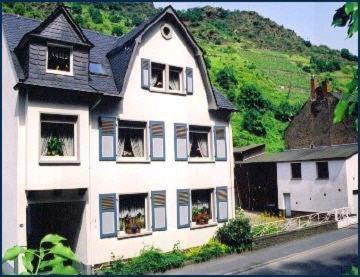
<point x="311" y="194"/>
<point x="25" y="170"/>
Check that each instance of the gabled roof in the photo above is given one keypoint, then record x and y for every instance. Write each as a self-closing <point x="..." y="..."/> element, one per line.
<point x="115" y="54"/>
<point x="333" y="152"/>
<point x="60" y="10"/>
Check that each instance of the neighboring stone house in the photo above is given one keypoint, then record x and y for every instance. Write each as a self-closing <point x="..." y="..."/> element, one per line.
<point x="111" y="142"/>
<point x="314" y="126"/>
<point x="314" y="179"/>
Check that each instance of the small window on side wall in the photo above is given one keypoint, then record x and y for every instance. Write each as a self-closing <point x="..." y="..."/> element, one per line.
<point x="59" y="59"/>
<point x="296" y="170"/>
<point x="58" y="136"/>
<point x="322" y="170"/>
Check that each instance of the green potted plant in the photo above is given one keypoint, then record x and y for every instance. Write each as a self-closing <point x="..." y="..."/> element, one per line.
<point x="195" y="213"/>
<point x="55" y="147"/>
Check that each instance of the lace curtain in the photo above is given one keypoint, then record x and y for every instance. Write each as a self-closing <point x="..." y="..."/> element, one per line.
<point x="133" y="139"/>
<point x="203" y="146"/>
<point x="131" y="205"/>
<point x="201" y="199"/>
<point x="63" y="131"/>
<point x="137" y="146"/>
<point x="174" y="81"/>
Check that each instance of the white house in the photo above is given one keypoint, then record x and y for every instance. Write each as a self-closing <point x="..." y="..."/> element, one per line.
<point x="111" y="142"/>
<point x="315" y="179"/>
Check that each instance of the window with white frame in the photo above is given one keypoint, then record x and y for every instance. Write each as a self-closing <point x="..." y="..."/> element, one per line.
<point x="131" y="139"/>
<point x="163" y="77"/>
<point x="199" y="141"/>
<point x="58" y="135"/>
<point x="133" y="213"/>
<point x="59" y="59"/>
<point x="157" y="76"/>
<point x="202" y="206"/>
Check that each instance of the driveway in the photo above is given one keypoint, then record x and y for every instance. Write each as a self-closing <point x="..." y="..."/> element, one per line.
<point x="327" y="253"/>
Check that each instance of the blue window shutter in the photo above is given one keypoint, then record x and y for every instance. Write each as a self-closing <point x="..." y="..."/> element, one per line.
<point x="108" y="215"/>
<point x="145" y="73"/>
<point x="183" y="208"/>
<point x="157" y="140"/>
<point x="180" y="142"/>
<point x="107" y="138"/>
<point x="158" y="204"/>
<point x="220" y="143"/>
<point x="189" y="81"/>
<point x="222" y="204"/>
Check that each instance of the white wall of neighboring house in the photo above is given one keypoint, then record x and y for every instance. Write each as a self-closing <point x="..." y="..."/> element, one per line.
<point x="310" y="194"/>
<point x="169" y="175"/>
<point x="9" y="151"/>
<point x="352" y="180"/>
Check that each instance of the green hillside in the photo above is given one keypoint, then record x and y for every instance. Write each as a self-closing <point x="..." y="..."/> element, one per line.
<point x="241" y="48"/>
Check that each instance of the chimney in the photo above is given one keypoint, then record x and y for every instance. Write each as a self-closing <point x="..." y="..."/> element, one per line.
<point x="312" y="88"/>
<point x="325" y="87"/>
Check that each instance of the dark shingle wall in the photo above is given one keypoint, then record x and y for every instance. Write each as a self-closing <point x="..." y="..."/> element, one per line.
<point x="60" y="29"/>
<point x="37" y="67"/>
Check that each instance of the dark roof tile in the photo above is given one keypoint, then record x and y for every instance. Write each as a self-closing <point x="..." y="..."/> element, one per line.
<point x="342" y="151"/>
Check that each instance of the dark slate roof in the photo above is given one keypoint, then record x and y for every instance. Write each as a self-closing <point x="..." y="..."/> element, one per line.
<point x="333" y="152"/>
<point x="222" y="102"/>
<point x="120" y="50"/>
<point x="15" y="27"/>
<point x="246" y="148"/>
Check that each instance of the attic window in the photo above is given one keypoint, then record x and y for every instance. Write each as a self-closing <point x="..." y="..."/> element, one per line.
<point x="157" y="75"/>
<point x="97" y="68"/>
<point x="59" y="59"/>
<point x="166" y="31"/>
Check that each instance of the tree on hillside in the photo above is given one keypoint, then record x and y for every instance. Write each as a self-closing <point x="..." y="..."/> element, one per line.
<point x="226" y="78"/>
<point x="348" y="105"/>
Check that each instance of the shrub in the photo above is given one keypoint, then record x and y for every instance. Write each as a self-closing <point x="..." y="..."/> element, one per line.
<point x="285" y="112"/>
<point x="251" y="97"/>
<point x="115" y="17"/>
<point x="95" y="15"/>
<point x="226" y="77"/>
<point x="19" y="8"/>
<point x="236" y="234"/>
<point x="253" y="122"/>
<point x="150" y="260"/>
<point x="76" y="8"/>
<point x="212" y="249"/>
<point x="345" y="53"/>
<point x="307" y="43"/>
<point x="118" y="30"/>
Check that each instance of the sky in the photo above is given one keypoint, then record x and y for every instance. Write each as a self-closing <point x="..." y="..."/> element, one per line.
<point x="310" y="20"/>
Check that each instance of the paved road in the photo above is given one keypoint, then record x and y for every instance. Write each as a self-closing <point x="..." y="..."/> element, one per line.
<point x="330" y="252"/>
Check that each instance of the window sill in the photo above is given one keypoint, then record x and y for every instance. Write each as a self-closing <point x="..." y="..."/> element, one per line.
<point x="59" y="161"/>
<point x="295" y="179"/>
<point x="322" y="179"/>
<point x="139" y="161"/>
<point x="195" y="227"/>
<point x="121" y="235"/>
<point x="201" y="160"/>
<point x="167" y="91"/>
<point x="59" y="72"/>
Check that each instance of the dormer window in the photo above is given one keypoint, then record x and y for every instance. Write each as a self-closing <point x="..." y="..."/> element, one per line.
<point x="59" y="59"/>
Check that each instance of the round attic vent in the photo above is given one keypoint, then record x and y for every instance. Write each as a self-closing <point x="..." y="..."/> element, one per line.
<point x="166" y="31"/>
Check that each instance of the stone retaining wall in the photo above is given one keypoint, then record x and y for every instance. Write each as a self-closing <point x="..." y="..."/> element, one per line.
<point x="269" y="240"/>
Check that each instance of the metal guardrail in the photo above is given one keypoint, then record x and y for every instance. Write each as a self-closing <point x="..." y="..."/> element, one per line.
<point x="296" y="223"/>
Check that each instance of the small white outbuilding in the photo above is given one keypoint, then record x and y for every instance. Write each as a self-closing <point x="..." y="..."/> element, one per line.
<point x="315" y="179"/>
